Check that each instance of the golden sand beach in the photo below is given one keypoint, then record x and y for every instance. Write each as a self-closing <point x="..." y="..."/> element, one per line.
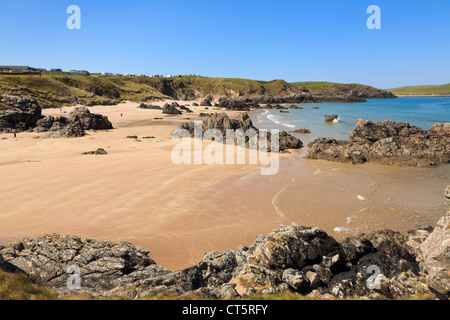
<point x="136" y="193"/>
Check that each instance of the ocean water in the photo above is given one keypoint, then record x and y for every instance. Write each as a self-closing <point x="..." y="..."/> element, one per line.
<point x="421" y="111"/>
<point x="345" y="199"/>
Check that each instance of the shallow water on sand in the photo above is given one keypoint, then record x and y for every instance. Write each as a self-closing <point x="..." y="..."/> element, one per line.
<point x="344" y="199"/>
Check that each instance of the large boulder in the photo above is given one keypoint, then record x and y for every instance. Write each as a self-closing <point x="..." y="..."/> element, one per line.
<point x="436" y="255"/>
<point x="88" y="120"/>
<point x="331" y="118"/>
<point x="171" y="109"/>
<point x="50" y="260"/>
<point x="18" y="113"/>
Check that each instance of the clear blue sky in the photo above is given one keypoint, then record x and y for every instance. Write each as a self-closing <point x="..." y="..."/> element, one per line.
<point x="295" y="40"/>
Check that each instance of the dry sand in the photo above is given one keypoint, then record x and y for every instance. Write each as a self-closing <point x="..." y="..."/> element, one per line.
<point x="134" y="193"/>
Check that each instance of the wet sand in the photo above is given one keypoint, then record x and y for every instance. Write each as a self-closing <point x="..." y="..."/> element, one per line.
<point x="135" y="193"/>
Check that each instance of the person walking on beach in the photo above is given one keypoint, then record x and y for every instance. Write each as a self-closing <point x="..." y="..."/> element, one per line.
<point x="15" y="133"/>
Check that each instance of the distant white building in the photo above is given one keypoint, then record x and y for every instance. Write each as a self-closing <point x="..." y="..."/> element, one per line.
<point x="107" y="74"/>
<point x="18" y="70"/>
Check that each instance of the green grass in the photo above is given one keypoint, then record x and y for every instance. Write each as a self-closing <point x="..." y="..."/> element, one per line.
<point x="56" y="89"/>
<point x="19" y="287"/>
<point x="423" y="90"/>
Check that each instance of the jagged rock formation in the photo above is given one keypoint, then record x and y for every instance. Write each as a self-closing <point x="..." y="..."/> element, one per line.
<point x="24" y="114"/>
<point x="222" y="123"/>
<point x="88" y="120"/>
<point x="386" y="142"/>
<point x="18" y="113"/>
<point x="436" y="257"/>
<point x="381" y="265"/>
<point x="171" y="109"/>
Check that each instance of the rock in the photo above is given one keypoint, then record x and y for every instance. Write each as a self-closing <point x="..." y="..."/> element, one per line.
<point x="18" y="113"/>
<point x="99" y="151"/>
<point x="187" y="110"/>
<point x="88" y="120"/>
<point x="132" y="137"/>
<point x="205" y="103"/>
<point x="297" y="280"/>
<point x="384" y="142"/>
<point x="301" y="131"/>
<point x="149" y="106"/>
<point x="316" y="108"/>
<point x="447" y="195"/>
<point x="379" y="265"/>
<point x="171" y="109"/>
<point x="222" y="123"/>
<point x="331" y="118"/>
<point x="217" y="267"/>
<point x="441" y="128"/>
<point x="47" y="259"/>
<point x="436" y="255"/>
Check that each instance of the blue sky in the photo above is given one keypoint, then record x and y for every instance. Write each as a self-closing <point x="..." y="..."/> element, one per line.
<point x="295" y="40"/>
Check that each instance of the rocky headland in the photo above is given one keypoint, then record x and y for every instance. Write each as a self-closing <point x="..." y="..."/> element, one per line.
<point x="386" y="142"/>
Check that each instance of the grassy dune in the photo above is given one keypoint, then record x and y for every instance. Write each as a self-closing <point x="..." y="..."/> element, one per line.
<point x="443" y="90"/>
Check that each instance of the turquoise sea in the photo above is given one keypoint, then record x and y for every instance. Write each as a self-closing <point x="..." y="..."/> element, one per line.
<point x="343" y="198"/>
<point x="419" y="111"/>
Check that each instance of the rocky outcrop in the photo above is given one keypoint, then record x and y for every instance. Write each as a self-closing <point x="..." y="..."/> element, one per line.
<point x="18" y="113"/>
<point x="88" y="120"/>
<point x="50" y="260"/>
<point x="436" y="257"/>
<point x="24" y="114"/>
<point x="171" y="109"/>
<point x="380" y="265"/>
<point x="385" y="142"/>
<point x="222" y="123"/>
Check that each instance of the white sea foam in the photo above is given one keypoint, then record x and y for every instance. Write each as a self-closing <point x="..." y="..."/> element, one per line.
<point x="337" y="120"/>
<point x="276" y="120"/>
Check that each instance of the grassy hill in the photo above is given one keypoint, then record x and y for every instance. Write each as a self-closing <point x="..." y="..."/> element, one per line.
<point x="443" y="90"/>
<point x="53" y="90"/>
